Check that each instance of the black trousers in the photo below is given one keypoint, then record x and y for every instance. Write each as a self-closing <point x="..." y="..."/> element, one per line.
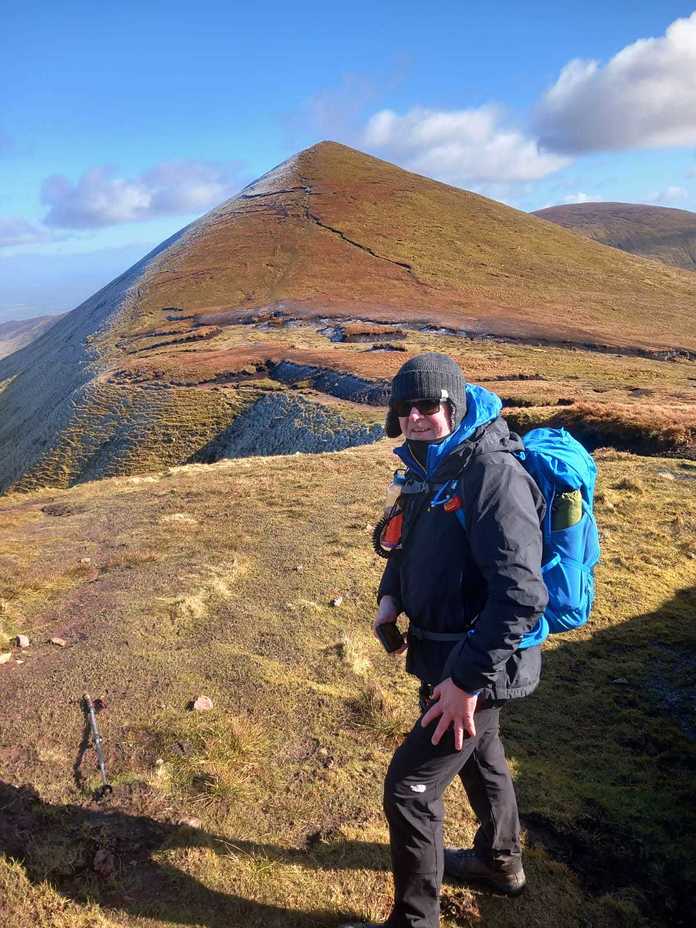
<point x="416" y="779"/>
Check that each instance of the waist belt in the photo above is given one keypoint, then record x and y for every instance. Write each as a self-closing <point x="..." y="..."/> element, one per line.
<point x="422" y="635"/>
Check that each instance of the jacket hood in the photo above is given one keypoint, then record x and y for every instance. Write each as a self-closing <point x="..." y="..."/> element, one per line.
<point x="483" y="407"/>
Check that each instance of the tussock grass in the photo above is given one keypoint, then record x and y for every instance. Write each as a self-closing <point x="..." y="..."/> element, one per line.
<point x="208" y="757"/>
<point x="24" y="903"/>
<point x="376" y="714"/>
<point x="632" y="485"/>
<point x="352" y="652"/>
<point x="162" y="408"/>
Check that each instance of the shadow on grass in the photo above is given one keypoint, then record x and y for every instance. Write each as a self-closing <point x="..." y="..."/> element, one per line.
<point x="89" y="854"/>
<point x="606" y="756"/>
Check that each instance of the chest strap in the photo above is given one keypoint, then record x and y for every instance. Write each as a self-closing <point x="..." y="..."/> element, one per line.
<point x="413" y="487"/>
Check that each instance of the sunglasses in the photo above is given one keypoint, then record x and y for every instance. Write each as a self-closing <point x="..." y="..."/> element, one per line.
<point x="424" y="407"/>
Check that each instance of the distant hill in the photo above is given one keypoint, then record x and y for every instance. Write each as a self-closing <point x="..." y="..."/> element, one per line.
<point x="658" y="232"/>
<point x="15" y="334"/>
<point x="154" y="368"/>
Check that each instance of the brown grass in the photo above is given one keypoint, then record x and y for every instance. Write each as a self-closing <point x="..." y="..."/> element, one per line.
<point x="285" y="773"/>
<point x="459" y="260"/>
<point x="658" y="232"/>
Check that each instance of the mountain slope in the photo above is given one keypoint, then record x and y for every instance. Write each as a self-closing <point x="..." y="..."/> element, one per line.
<point x="658" y="232"/>
<point x="334" y="231"/>
<point x="152" y="368"/>
<point x="17" y="333"/>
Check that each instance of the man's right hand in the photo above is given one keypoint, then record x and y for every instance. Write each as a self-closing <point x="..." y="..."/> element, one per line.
<point x="387" y="612"/>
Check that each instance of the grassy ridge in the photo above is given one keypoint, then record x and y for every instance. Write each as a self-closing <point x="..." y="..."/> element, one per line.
<point x="219" y="580"/>
<point x="658" y="232"/>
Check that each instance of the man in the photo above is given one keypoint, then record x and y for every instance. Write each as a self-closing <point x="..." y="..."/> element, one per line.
<point x="471" y="586"/>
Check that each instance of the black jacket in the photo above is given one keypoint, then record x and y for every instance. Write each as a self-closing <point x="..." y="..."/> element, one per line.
<point x="485" y="578"/>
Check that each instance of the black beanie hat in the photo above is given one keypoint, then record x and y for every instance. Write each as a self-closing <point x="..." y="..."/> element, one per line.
<point x="429" y="376"/>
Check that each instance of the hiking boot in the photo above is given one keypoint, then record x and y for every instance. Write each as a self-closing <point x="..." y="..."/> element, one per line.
<point x="465" y="864"/>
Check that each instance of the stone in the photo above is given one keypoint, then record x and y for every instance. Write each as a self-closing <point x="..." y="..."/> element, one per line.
<point x="336" y="601"/>
<point x="59" y="642"/>
<point x="203" y="704"/>
<point x="299" y="568"/>
<point x="19" y="662"/>
<point x="22" y="641"/>
<point x="85" y="560"/>
<point x="189" y="822"/>
<point x="666" y="475"/>
<point x="4" y="658"/>
<point x="620" y="681"/>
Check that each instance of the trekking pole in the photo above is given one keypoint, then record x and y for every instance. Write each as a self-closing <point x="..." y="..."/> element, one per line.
<point x="106" y="787"/>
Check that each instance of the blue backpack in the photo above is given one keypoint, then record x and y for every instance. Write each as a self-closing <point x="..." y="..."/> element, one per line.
<point x="558" y="463"/>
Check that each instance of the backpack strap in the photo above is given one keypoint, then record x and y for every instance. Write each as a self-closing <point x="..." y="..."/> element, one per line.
<point x="540" y="630"/>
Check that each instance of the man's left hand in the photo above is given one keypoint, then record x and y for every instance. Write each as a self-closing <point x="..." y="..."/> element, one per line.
<point x="455" y="708"/>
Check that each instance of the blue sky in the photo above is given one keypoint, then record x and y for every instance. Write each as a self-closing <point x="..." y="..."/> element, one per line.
<point x="120" y="123"/>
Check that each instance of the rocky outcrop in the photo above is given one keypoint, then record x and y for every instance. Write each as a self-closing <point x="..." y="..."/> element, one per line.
<point x="282" y="424"/>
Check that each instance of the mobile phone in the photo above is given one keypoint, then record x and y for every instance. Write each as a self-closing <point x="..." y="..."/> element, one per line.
<point x="390" y="636"/>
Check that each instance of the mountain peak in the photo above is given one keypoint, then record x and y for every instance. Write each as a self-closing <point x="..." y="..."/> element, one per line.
<point x="329" y="234"/>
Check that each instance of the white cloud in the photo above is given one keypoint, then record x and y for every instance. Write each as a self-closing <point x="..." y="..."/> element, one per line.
<point x="17" y="231"/>
<point x="459" y="146"/>
<point x="670" y="195"/>
<point x="581" y="197"/>
<point x="644" y="97"/>
<point x="101" y="198"/>
<point x="339" y="111"/>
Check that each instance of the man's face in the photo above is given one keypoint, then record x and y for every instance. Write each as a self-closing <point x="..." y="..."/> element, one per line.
<point x="420" y="426"/>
